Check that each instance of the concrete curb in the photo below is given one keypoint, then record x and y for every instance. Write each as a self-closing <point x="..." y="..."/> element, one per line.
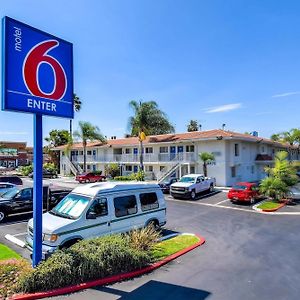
<point x="255" y="207"/>
<point x="111" y="279"/>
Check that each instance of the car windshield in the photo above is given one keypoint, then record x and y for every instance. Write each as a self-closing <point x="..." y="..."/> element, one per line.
<point x="71" y="206"/>
<point x="10" y="193"/>
<point x="187" y="179"/>
<point x="239" y="187"/>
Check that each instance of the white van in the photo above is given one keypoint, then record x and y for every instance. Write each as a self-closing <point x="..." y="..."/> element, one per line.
<point x="97" y="209"/>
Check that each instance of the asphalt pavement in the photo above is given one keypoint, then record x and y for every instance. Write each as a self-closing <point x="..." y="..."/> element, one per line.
<point x="246" y="256"/>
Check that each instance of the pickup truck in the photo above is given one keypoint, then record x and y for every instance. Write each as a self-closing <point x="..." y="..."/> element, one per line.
<point x="190" y="185"/>
<point x="20" y="199"/>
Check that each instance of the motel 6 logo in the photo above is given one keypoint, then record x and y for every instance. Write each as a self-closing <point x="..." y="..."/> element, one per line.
<point x="36" y="56"/>
<point x="38" y="70"/>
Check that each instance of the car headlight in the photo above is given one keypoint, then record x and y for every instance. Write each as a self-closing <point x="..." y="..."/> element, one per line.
<point x="50" y="237"/>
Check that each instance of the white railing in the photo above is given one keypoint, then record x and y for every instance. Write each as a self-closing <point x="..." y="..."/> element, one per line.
<point x="127" y="158"/>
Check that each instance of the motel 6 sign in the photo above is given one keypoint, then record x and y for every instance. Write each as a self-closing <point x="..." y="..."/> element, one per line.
<point x="38" y="71"/>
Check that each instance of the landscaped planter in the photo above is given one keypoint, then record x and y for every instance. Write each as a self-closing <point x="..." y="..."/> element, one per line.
<point x="111" y="279"/>
<point x="269" y="206"/>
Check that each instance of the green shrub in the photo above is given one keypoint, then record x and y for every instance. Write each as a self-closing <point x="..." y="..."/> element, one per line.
<point x="86" y="260"/>
<point x="123" y="178"/>
<point x="10" y="272"/>
<point x="26" y="170"/>
<point x="112" y="169"/>
<point x="50" y="167"/>
<point x="144" y="239"/>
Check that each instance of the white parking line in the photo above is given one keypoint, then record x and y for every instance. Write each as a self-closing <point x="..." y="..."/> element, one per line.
<point x="222" y="201"/>
<point x="14" y="240"/>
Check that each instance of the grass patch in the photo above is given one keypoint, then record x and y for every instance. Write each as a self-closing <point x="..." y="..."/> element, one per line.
<point x="269" y="205"/>
<point x="173" y="245"/>
<point x="7" y="253"/>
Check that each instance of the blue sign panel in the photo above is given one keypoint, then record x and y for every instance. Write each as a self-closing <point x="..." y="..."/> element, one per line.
<point x="38" y="71"/>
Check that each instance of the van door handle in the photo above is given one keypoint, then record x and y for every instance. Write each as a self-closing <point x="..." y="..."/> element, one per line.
<point x="108" y="223"/>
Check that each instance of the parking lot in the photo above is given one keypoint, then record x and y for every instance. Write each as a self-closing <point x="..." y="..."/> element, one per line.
<point x="13" y="230"/>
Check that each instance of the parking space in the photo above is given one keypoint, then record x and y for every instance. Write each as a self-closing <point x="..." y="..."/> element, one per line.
<point x="216" y="199"/>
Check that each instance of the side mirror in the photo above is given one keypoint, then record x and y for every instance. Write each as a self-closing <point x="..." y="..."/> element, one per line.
<point x="91" y="215"/>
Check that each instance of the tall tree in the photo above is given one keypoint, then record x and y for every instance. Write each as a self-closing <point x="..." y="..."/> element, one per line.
<point x="193" y="126"/>
<point x="292" y="137"/>
<point x="148" y="119"/>
<point x="206" y="157"/>
<point x="88" y="132"/>
<point x="56" y="138"/>
<point x="77" y="108"/>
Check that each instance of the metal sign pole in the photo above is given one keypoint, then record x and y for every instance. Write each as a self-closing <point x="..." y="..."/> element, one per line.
<point x="37" y="190"/>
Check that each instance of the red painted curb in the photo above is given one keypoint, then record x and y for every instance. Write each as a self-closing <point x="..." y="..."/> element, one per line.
<point x="111" y="279"/>
<point x="274" y="209"/>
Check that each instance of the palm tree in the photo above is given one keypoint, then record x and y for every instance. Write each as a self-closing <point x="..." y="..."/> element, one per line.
<point x="292" y="137"/>
<point x="148" y="119"/>
<point x="193" y="126"/>
<point x="206" y="157"/>
<point x="88" y="132"/>
<point x="77" y="108"/>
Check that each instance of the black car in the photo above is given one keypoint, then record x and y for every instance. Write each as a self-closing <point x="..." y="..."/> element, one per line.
<point x="11" y="179"/>
<point x="19" y="200"/>
<point x="46" y="174"/>
<point x="165" y="185"/>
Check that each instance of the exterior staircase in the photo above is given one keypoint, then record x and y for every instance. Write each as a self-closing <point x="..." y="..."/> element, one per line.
<point x="165" y="174"/>
<point x="74" y="168"/>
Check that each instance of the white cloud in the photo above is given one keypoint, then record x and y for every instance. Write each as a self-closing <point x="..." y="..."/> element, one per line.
<point x="223" y="108"/>
<point x="285" y="94"/>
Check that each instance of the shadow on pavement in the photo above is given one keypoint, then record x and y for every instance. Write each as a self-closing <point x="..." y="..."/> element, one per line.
<point x="204" y="195"/>
<point x="158" y="290"/>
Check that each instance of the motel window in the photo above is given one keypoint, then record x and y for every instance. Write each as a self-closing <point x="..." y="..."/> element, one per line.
<point x="163" y="150"/>
<point x="236" y="150"/>
<point x="190" y="148"/>
<point x="149" y="168"/>
<point x="89" y="152"/>
<point x="233" y="172"/>
<point x="127" y="151"/>
<point x="128" y="168"/>
<point x="149" y="150"/>
<point x="161" y="168"/>
<point x="80" y="152"/>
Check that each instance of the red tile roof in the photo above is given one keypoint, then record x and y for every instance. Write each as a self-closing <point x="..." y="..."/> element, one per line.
<point x="176" y="137"/>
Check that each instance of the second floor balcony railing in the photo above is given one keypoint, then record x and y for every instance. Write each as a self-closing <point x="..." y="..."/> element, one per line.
<point x="128" y="158"/>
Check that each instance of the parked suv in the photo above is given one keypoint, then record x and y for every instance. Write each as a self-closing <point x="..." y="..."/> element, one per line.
<point x="11" y="179"/>
<point x="190" y="185"/>
<point x="46" y="174"/>
<point x="98" y="209"/>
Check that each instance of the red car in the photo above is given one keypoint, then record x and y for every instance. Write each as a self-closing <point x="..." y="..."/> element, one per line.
<point x="89" y="177"/>
<point x="244" y="192"/>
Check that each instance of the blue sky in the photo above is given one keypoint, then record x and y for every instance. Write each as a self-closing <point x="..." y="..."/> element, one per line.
<point x="232" y="62"/>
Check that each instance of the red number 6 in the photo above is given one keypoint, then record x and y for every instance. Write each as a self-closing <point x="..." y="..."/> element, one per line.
<point x="35" y="57"/>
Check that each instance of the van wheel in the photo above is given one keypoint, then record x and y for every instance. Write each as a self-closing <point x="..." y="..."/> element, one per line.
<point x="193" y="195"/>
<point x="2" y="216"/>
<point x="70" y="243"/>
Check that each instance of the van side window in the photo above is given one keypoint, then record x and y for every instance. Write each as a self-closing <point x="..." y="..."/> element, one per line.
<point x="149" y="201"/>
<point x="99" y="207"/>
<point x="125" y="205"/>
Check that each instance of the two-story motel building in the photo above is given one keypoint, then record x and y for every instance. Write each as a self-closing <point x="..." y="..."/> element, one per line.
<point x="238" y="157"/>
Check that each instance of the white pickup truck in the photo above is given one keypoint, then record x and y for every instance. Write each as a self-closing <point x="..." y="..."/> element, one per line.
<point x="190" y="185"/>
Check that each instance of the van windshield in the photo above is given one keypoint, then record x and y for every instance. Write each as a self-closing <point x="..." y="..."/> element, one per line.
<point x="71" y="207"/>
<point x="187" y="179"/>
